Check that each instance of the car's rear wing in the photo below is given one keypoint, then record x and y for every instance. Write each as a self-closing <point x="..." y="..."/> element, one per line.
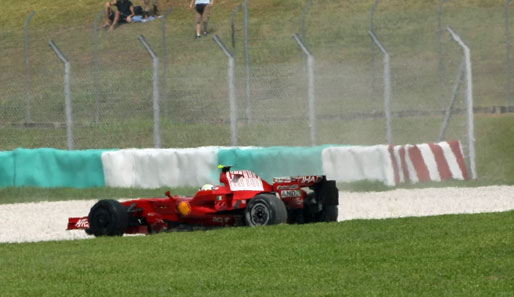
<point x="302" y="181"/>
<point x="324" y="188"/>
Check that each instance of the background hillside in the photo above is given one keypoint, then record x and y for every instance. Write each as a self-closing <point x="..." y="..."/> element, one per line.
<point x="194" y="95"/>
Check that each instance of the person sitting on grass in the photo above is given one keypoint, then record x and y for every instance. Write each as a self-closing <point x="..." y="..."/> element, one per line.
<point x="123" y="13"/>
<point x="147" y="11"/>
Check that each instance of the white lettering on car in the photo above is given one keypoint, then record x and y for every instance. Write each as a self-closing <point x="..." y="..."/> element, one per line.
<point x="287" y="187"/>
<point x="221" y="220"/>
<point x="309" y="179"/>
<point x="82" y="223"/>
<point x="290" y="193"/>
<point x="244" y="180"/>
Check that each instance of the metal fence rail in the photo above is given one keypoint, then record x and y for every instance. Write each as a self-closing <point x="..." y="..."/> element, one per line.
<point x="283" y="99"/>
<point x="469" y="102"/>
<point x="67" y="93"/>
<point x="232" y="89"/>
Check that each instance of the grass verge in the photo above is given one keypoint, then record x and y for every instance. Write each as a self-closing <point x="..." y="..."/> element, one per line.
<point x="33" y="194"/>
<point x="466" y="255"/>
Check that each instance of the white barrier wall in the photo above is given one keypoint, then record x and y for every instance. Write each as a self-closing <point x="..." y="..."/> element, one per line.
<point x="356" y="163"/>
<point x="391" y="165"/>
<point x="154" y="168"/>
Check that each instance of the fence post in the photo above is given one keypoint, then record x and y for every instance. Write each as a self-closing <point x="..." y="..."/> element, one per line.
<point x="67" y="93"/>
<point x="231" y="90"/>
<point x="233" y="26"/>
<point x="304" y="13"/>
<point x="310" y="78"/>
<point x="507" y="42"/>
<point x="372" y="29"/>
<point x="387" y="88"/>
<point x="164" y="61"/>
<point x="28" y="116"/>
<point x="469" y="100"/>
<point x="156" y="111"/>
<point x="247" y="62"/>
<point x="449" y="109"/>
<point x="97" y="84"/>
<point x="441" y="64"/>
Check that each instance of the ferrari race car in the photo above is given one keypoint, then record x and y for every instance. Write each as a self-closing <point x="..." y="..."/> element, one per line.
<point x="242" y="199"/>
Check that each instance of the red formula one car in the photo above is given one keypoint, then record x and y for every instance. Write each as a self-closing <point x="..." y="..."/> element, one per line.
<point x="243" y="198"/>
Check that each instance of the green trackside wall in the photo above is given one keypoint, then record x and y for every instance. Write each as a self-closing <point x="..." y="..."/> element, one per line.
<point x="6" y="169"/>
<point x="269" y="162"/>
<point x="47" y="167"/>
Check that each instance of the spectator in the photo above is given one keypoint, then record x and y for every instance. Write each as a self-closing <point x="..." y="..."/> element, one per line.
<point x="123" y="13"/>
<point x="202" y="9"/>
<point x="147" y="9"/>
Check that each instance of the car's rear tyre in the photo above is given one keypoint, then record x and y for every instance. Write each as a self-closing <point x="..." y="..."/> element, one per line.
<point x="265" y="209"/>
<point x="329" y="213"/>
<point x="314" y="210"/>
<point x="108" y="217"/>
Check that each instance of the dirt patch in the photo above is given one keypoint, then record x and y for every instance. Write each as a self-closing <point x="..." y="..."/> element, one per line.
<point x="43" y="221"/>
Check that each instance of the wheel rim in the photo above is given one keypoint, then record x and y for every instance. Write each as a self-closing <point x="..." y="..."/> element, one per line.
<point x="101" y="219"/>
<point x="260" y="214"/>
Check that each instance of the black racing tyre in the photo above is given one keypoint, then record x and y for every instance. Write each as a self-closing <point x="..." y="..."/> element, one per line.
<point x="265" y="209"/>
<point x="108" y="217"/>
<point x="311" y="208"/>
<point x="315" y="211"/>
<point x="295" y="216"/>
<point x="329" y="213"/>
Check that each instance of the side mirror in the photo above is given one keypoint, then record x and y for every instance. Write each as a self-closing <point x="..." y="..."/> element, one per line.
<point x="224" y="168"/>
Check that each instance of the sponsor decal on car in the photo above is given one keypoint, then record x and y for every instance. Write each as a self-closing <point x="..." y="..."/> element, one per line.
<point x="243" y="180"/>
<point x="309" y="179"/>
<point x="221" y="220"/>
<point x="287" y="187"/>
<point x="82" y="223"/>
<point x="184" y="208"/>
<point x="290" y="193"/>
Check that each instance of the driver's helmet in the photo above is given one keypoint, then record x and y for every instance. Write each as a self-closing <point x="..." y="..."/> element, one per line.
<point x="207" y="187"/>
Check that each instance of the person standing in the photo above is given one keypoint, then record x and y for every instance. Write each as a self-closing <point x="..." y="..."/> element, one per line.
<point x="123" y="13"/>
<point x="202" y="11"/>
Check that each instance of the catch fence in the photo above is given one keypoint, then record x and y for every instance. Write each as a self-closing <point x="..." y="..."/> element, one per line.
<point x="311" y="79"/>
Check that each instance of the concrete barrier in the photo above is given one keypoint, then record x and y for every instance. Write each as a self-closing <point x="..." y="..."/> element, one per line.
<point x="48" y="167"/>
<point x="357" y="163"/>
<point x="269" y="162"/>
<point x="428" y="162"/>
<point x="155" y="168"/>
<point x="6" y="169"/>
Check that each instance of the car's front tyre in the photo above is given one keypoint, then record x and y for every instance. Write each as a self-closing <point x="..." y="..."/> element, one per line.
<point x="108" y="217"/>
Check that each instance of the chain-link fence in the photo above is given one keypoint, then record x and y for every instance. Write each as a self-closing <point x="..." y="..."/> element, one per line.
<point x="112" y="88"/>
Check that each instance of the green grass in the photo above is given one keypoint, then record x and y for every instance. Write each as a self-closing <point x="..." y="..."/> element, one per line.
<point x="32" y="194"/>
<point x="466" y="255"/>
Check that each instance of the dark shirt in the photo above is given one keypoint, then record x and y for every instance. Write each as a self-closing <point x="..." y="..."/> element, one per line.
<point x="124" y="6"/>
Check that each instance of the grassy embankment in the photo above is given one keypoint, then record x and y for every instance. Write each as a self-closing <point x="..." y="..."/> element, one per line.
<point x="465" y="255"/>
